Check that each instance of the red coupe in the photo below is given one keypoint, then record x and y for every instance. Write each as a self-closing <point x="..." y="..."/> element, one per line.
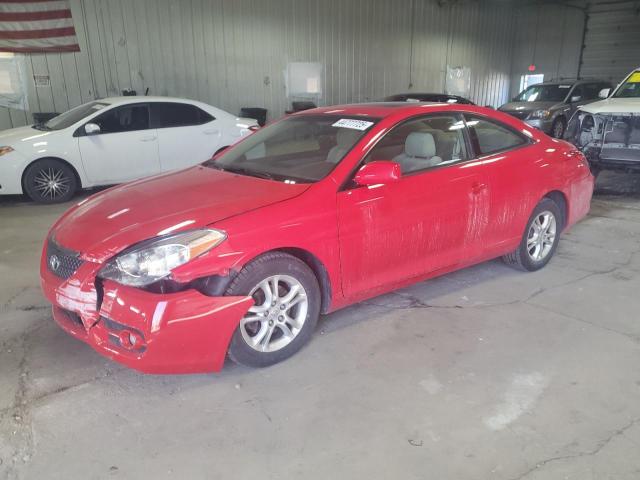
<point x="322" y="209"/>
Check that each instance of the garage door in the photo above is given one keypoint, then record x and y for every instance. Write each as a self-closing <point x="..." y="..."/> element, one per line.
<point x="611" y="41"/>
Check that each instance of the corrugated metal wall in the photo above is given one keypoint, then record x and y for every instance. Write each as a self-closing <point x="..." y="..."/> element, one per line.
<point x="232" y="53"/>
<point x="548" y="36"/>
<point x="612" y="41"/>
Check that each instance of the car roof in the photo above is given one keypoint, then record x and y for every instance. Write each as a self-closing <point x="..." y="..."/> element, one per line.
<point x="142" y="98"/>
<point x="125" y="100"/>
<point x="571" y="81"/>
<point x="408" y="94"/>
<point x="384" y="109"/>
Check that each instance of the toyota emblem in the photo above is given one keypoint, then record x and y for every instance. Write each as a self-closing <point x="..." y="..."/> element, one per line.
<point x="54" y="262"/>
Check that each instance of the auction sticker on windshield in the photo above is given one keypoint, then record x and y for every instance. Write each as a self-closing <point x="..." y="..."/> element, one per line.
<point x="353" y="124"/>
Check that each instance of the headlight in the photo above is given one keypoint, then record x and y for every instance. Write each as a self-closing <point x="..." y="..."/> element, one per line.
<point x="154" y="259"/>
<point x="6" y="149"/>
<point x="540" y="114"/>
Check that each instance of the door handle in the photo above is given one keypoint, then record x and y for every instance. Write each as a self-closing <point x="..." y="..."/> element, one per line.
<point x="212" y="131"/>
<point x="148" y="138"/>
<point x="478" y="188"/>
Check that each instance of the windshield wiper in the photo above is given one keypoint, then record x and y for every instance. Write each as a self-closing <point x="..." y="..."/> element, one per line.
<point x="41" y="126"/>
<point x="246" y="171"/>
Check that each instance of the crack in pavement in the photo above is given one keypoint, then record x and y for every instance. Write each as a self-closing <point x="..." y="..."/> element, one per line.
<point x="631" y="336"/>
<point x="56" y="391"/>
<point x="598" y="448"/>
<point x="21" y="443"/>
<point x="415" y="302"/>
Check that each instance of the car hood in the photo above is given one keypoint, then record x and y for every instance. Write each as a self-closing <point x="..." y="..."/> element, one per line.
<point x="108" y="222"/>
<point x="17" y="136"/>
<point x="526" y="106"/>
<point x="613" y="105"/>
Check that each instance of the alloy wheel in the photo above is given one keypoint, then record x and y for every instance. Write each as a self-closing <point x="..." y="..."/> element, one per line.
<point x="541" y="236"/>
<point x="278" y="314"/>
<point x="51" y="183"/>
<point x="558" y="129"/>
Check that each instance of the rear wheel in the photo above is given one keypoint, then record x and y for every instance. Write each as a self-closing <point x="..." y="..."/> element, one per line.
<point x="540" y="238"/>
<point x="50" y="181"/>
<point x="285" y="312"/>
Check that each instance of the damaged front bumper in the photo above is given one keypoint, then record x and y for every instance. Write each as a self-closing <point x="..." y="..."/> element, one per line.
<point x="182" y="332"/>
<point x="609" y="141"/>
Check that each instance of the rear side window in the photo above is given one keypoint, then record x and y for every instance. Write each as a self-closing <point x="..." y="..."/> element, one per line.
<point x="127" y="118"/>
<point x="492" y="137"/>
<point x="171" y="114"/>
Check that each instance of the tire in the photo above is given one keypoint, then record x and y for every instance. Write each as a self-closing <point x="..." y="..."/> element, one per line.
<point x="524" y="257"/>
<point x="558" y="127"/>
<point x="261" y="339"/>
<point x="50" y="181"/>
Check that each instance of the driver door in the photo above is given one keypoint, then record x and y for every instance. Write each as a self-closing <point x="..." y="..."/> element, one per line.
<point x="433" y="217"/>
<point x="124" y="149"/>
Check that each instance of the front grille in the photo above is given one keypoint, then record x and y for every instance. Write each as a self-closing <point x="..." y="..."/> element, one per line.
<point x="62" y="262"/>
<point x="517" y="114"/>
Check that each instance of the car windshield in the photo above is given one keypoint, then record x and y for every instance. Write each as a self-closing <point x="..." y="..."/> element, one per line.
<point x="544" y="93"/>
<point x="630" y="88"/>
<point x="74" y="115"/>
<point x="298" y="149"/>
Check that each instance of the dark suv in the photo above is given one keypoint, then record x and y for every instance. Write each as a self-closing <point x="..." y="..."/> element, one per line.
<point x="549" y="105"/>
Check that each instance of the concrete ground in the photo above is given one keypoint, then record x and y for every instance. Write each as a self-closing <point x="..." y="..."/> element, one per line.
<point x="487" y="373"/>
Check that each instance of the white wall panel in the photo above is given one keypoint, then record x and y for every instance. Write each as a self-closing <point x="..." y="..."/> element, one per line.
<point x="550" y="37"/>
<point x="232" y="53"/>
<point x="612" y="40"/>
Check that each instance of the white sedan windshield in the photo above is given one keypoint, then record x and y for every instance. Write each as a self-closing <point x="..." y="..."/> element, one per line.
<point x="68" y="118"/>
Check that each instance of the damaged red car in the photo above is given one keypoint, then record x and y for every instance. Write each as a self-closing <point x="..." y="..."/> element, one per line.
<point x="240" y="255"/>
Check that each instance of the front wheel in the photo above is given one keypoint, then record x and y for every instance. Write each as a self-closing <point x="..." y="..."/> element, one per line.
<point x="285" y="312"/>
<point x="50" y="181"/>
<point x="540" y="238"/>
<point x="558" y="127"/>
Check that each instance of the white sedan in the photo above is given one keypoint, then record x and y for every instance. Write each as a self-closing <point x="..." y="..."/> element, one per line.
<point x="111" y="141"/>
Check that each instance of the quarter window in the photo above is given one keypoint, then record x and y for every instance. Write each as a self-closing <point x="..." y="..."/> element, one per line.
<point x="423" y="143"/>
<point x="490" y="137"/>
<point x="127" y="118"/>
<point x="171" y="114"/>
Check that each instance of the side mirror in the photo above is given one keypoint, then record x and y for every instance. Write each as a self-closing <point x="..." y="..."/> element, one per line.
<point x="575" y="98"/>
<point x="91" y="128"/>
<point x="604" y="93"/>
<point x="378" y="172"/>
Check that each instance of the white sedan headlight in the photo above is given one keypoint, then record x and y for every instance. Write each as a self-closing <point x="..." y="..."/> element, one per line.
<point x="154" y="259"/>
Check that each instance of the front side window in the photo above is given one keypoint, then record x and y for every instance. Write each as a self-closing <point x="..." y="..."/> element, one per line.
<point x="303" y="148"/>
<point x="544" y="93"/>
<point x="127" y="118"/>
<point x="70" y="117"/>
<point x="491" y="137"/>
<point x="591" y="90"/>
<point x="171" y="114"/>
<point x="630" y="88"/>
<point x="423" y="143"/>
<point x="577" y="94"/>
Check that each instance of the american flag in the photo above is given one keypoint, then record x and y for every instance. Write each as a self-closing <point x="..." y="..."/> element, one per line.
<point x="37" y="26"/>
